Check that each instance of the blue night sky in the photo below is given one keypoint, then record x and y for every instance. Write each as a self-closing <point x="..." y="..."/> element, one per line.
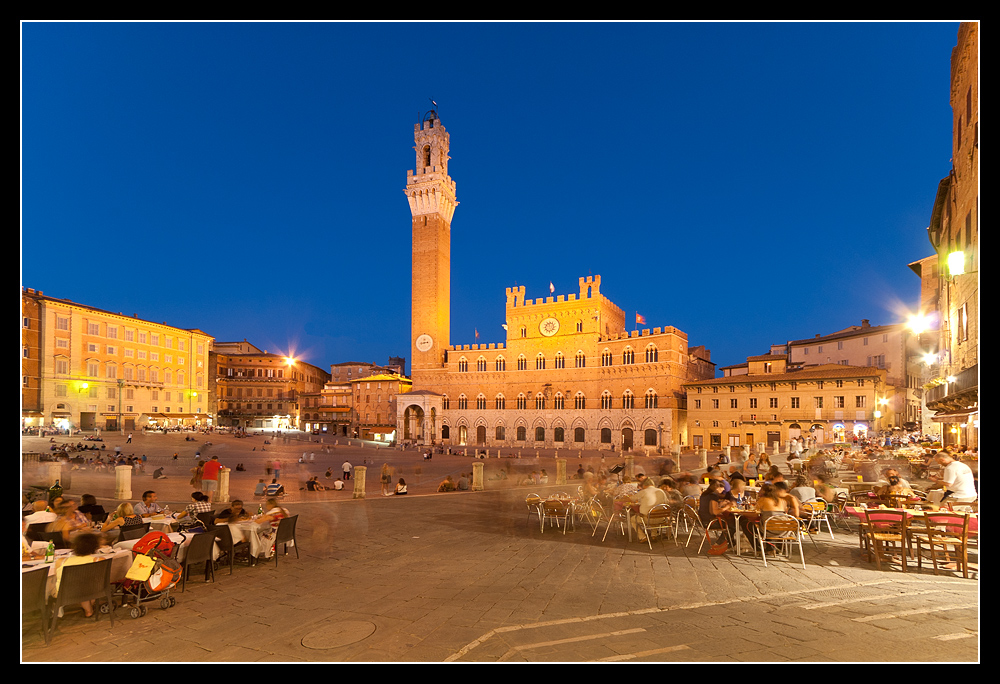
<point x="748" y="183"/>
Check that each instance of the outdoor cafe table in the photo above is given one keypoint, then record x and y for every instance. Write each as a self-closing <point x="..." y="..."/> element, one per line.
<point x="749" y="514"/>
<point x="255" y="534"/>
<point x="120" y="559"/>
<point x="183" y="540"/>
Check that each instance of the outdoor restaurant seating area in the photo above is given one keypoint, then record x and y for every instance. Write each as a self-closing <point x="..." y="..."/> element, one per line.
<point x="125" y="570"/>
<point x="895" y="526"/>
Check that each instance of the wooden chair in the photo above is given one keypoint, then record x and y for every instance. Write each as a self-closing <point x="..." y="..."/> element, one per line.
<point x="85" y="582"/>
<point x="942" y="529"/>
<point x="887" y="530"/>
<point x="815" y="513"/>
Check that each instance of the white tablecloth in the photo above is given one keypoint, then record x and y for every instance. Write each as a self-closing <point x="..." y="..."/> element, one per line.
<point x="177" y="538"/>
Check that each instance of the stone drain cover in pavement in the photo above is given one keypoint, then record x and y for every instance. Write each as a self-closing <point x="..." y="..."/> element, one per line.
<point x="335" y="634"/>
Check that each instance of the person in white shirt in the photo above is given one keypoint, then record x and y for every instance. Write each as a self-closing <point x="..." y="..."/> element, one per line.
<point x="647" y="497"/>
<point x="959" y="484"/>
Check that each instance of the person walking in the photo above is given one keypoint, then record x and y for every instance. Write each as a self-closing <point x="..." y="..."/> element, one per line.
<point x="129" y="440"/>
<point x="347" y="470"/>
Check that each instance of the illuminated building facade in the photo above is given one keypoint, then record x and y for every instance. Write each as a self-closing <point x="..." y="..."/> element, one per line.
<point x="569" y="374"/>
<point x="85" y="368"/>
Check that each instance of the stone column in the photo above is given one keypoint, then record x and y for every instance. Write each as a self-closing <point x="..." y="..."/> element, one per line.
<point x="359" y="481"/>
<point x="560" y="471"/>
<point x="629" y="466"/>
<point x="123" y="482"/>
<point x="54" y="473"/>
<point x="703" y="458"/>
<point x="222" y="491"/>
<point x="477" y="477"/>
<point x="727" y="451"/>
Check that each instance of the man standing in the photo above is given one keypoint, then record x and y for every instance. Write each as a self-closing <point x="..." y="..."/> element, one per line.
<point x="277" y="469"/>
<point x="210" y="477"/>
<point x="347" y="470"/>
<point x="129" y="440"/>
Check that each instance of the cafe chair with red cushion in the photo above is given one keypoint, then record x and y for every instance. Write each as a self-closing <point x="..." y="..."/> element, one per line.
<point x="942" y="530"/>
<point x="886" y="530"/>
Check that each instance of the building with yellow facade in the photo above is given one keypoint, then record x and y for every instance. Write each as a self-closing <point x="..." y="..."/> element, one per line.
<point x="568" y="375"/>
<point x="770" y="401"/>
<point x="85" y="368"/>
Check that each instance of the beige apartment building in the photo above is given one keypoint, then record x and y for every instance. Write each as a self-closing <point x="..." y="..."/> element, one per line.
<point x="258" y="389"/>
<point x="569" y="373"/>
<point x="772" y="402"/>
<point x="893" y="348"/>
<point x="86" y="368"/>
<point x="375" y="399"/>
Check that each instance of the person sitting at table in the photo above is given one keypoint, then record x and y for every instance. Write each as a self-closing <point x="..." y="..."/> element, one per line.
<point x="735" y="474"/>
<point x="401" y="487"/>
<point x="802" y="491"/>
<point x="791" y="503"/>
<point x="739" y="494"/>
<point x="90" y="508"/>
<point x="892" y="472"/>
<point x="189" y="516"/>
<point x="825" y="491"/>
<point x="447" y="485"/>
<point x="124" y="516"/>
<point x="40" y="514"/>
<point x="589" y="488"/>
<point x="84" y="547"/>
<point x="70" y="520"/>
<point x="895" y="486"/>
<point x="234" y="514"/>
<point x="648" y="496"/>
<point x="669" y="488"/>
<point x="626" y="488"/>
<point x="148" y="505"/>
<point x="770" y="504"/>
<point x="713" y="505"/>
<point x="773" y="475"/>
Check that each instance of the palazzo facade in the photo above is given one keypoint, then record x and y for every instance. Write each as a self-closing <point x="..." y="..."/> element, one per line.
<point x="569" y="374"/>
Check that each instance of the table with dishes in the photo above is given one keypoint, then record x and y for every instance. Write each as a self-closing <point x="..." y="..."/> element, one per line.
<point x="183" y="540"/>
<point x="120" y="559"/>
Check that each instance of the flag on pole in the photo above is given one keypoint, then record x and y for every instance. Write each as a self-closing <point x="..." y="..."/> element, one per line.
<point x="552" y="288"/>
<point x="639" y="319"/>
<point x="477" y="333"/>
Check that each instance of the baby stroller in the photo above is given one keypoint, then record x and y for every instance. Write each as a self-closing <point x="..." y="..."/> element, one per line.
<point x="153" y="574"/>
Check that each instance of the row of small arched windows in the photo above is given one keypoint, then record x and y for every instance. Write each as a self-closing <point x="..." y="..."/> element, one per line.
<point x="580" y="360"/>
<point x="627" y="401"/>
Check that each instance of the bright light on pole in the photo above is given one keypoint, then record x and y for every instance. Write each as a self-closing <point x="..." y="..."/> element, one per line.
<point x="956" y="263"/>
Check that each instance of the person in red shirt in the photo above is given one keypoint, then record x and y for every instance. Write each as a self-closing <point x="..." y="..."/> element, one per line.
<point x="210" y="477"/>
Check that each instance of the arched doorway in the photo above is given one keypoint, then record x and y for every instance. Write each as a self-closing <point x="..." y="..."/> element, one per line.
<point x="481" y="434"/>
<point x="463" y="435"/>
<point x="413" y="424"/>
<point x="626" y="439"/>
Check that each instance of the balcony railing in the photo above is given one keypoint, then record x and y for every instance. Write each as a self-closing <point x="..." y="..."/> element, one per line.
<point x="965" y="381"/>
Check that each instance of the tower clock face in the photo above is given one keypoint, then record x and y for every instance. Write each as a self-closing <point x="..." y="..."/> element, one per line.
<point x="548" y="327"/>
<point x="424" y="342"/>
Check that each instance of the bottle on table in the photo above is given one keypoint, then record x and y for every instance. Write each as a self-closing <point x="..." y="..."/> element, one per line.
<point x="50" y="552"/>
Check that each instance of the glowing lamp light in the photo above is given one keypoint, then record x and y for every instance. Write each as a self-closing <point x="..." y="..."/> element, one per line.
<point x="930" y="358"/>
<point x="956" y="263"/>
<point x="918" y="323"/>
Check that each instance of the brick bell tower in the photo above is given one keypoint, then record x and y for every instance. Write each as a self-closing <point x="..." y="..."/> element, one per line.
<point x="431" y="194"/>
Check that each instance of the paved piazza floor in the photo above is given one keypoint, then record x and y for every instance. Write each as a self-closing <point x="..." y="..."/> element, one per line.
<point x="466" y="577"/>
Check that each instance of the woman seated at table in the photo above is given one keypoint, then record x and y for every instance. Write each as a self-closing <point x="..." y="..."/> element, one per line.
<point x="714" y="505"/>
<point x="802" y="491"/>
<point x="770" y="504"/>
<point x="825" y="491"/>
<point x="234" y="514"/>
<point x="124" y="516"/>
<point x="84" y="547"/>
<point x="273" y="515"/>
<point x="189" y="516"/>
<point x="739" y="494"/>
